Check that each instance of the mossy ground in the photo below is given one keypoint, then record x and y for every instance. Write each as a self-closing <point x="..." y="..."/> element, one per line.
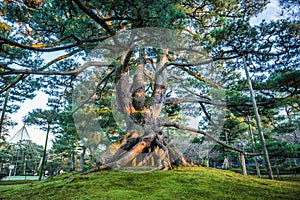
<point x="183" y="183"/>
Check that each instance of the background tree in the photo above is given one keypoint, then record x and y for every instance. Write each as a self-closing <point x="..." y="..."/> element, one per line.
<point x="43" y="118"/>
<point x="75" y="28"/>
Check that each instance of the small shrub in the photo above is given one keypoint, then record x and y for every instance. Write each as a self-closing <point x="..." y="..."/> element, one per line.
<point x="2" y="175"/>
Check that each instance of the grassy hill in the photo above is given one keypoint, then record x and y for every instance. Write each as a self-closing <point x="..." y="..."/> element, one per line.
<point x="184" y="183"/>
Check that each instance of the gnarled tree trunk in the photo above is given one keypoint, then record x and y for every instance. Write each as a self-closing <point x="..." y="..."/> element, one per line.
<point x="144" y="143"/>
<point x="139" y="100"/>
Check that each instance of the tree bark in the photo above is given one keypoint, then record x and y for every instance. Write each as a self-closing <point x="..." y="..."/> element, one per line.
<point x="144" y="143"/>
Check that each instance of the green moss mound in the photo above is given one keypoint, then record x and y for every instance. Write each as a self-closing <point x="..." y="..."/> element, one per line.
<point x="182" y="183"/>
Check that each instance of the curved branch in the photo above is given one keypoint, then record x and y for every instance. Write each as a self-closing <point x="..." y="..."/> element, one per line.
<point x="216" y="103"/>
<point x="193" y="100"/>
<point x="178" y="126"/>
<point x="22" y="76"/>
<point x="40" y="72"/>
<point x="198" y="95"/>
<point x="50" y="48"/>
<point x="208" y="61"/>
<point x="210" y="119"/>
<point x="16" y="44"/>
<point x="96" y="18"/>
<point x="25" y="73"/>
<point x="205" y="62"/>
<point x="59" y="58"/>
<point x="197" y="76"/>
<point x="102" y="81"/>
<point x="200" y="78"/>
<point x="15" y="71"/>
<point x="19" y="78"/>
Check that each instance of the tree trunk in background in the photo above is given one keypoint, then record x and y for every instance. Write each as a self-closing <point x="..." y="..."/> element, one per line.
<point x="257" y="118"/>
<point x="73" y="161"/>
<point x="82" y="159"/>
<point x="253" y="143"/>
<point x="3" y="111"/>
<point x="243" y="161"/>
<point x="225" y="162"/>
<point x="226" y="157"/>
<point x="277" y="169"/>
<point x="24" y="164"/>
<point x="44" y="154"/>
<point x="16" y="169"/>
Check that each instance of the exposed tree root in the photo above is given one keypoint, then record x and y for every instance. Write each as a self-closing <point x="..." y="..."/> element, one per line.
<point x="95" y="169"/>
<point x="149" y="151"/>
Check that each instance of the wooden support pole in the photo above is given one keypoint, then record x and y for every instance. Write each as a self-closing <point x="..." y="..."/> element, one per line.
<point x="244" y="164"/>
<point x="257" y="118"/>
<point x="3" y="111"/>
<point x="44" y="154"/>
<point x="253" y="149"/>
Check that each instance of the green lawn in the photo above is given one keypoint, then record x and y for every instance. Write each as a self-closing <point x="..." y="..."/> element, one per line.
<point x="184" y="183"/>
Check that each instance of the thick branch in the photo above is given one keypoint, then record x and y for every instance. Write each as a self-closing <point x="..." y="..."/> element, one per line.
<point x="22" y="76"/>
<point x="210" y="119"/>
<point x="52" y="47"/>
<point x="16" y="44"/>
<point x="19" y="78"/>
<point x="138" y="88"/>
<point x="93" y="93"/>
<point x="200" y="78"/>
<point x="75" y="71"/>
<point x="178" y="126"/>
<point x="159" y="93"/>
<point x="95" y="17"/>
<point x="123" y="95"/>
<point x="216" y="103"/>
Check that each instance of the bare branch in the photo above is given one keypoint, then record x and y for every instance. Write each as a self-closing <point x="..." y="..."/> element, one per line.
<point x="52" y="47"/>
<point x="216" y="103"/>
<point x="197" y="76"/>
<point x="99" y="20"/>
<point x="19" y="78"/>
<point x="193" y="100"/>
<point x="22" y="76"/>
<point x="212" y="121"/>
<point x="208" y="61"/>
<point x="59" y="58"/>
<point x="96" y="18"/>
<point x="16" y="44"/>
<point x="102" y="81"/>
<point x="194" y="93"/>
<point x="71" y="72"/>
<point x="178" y="126"/>
<point x="200" y="78"/>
